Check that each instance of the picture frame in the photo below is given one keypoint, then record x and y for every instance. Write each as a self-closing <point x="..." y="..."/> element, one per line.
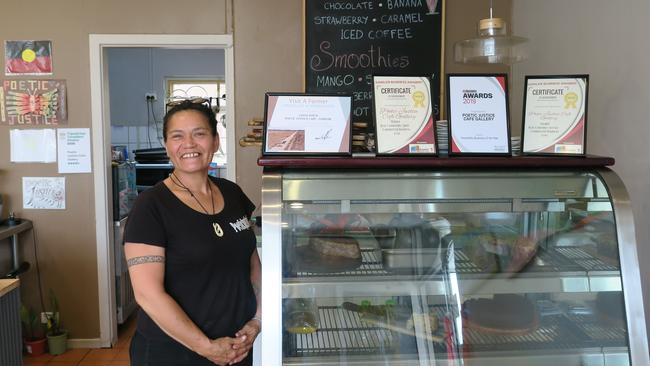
<point x="403" y="110"/>
<point x="478" y="113"/>
<point x="554" y="120"/>
<point x="306" y="124"/>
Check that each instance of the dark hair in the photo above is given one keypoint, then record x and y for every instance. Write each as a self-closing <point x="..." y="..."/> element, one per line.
<point x="188" y="105"/>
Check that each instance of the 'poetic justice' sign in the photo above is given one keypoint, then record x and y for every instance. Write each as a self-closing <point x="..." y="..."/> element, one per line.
<point x="33" y="102"/>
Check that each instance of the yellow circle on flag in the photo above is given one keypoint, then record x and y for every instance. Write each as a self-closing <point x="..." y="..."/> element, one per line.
<point x="28" y="55"/>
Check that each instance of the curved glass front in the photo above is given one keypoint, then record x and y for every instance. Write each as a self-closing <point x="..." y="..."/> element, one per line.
<point x="450" y="268"/>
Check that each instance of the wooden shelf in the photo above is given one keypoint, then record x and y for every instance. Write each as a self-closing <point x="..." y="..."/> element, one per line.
<point x="8" y="231"/>
<point x="454" y="162"/>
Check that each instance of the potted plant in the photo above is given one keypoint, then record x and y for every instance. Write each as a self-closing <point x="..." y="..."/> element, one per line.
<point x="33" y="332"/>
<point x="57" y="338"/>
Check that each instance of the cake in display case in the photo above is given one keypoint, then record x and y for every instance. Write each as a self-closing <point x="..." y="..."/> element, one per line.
<point x="482" y="266"/>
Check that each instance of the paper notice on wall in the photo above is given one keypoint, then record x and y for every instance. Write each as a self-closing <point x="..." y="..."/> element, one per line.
<point x="33" y="146"/>
<point x="46" y="193"/>
<point x="73" y="150"/>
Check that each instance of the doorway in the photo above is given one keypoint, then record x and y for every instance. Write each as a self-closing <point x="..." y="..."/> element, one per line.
<point x="101" y="126"/>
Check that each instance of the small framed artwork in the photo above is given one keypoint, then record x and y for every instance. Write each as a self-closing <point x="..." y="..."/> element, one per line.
<point x="477" y="109"/>
<point x="306" y="124"/>
<point x="403" y="113"/>
<point x="555" y="115"/>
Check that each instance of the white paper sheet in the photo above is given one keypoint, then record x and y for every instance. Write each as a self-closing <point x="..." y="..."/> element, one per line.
<point x="33" y="146"/>
<point x="44" y="193"/>
<point x="73" y="150"/>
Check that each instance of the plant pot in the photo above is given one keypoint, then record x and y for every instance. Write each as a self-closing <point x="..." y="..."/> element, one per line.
<point x="57" y="344"/>
<point x="35" y="347"/>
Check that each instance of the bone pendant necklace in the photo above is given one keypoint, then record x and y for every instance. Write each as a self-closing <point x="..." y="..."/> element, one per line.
<point x="215" y="225"/>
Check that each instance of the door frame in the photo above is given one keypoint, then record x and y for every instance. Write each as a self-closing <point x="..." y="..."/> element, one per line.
<point x="100" y="112"/>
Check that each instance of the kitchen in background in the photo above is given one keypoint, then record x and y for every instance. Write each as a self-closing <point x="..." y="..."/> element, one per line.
<point x="141" y="82"/>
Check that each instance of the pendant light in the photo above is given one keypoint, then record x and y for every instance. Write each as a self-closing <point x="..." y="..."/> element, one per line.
<point x="492" y="46"/>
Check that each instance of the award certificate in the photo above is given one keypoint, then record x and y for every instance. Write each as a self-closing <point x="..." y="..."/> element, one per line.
<point x="307" y="124"/>
<point x="478" y="114"/>
<point x="403" y="115"/>
<point x="555" y="115"/>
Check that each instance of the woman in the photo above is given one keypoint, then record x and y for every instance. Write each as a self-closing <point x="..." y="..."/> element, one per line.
<point x="192" y="257"/>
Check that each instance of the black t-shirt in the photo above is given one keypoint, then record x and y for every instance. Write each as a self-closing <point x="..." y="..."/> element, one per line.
<point x="207" y="274"/>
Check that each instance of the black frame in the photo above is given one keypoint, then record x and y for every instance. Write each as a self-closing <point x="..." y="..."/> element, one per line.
<point x="264" y="130"/>
<point x="585" y="77"/>
<point x="450" y="122"/>
<point x="433" y="115"/>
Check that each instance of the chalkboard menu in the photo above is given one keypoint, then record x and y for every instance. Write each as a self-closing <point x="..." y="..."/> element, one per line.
<point x="346" y="42"/>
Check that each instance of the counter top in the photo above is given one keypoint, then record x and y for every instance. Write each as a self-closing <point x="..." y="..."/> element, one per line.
<point x="454" y="162"/>
<point x="7" y="231"/>
<point x="7" y="285"/>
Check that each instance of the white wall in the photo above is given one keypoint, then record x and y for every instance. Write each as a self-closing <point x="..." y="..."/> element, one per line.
<point x="608" y="40"/>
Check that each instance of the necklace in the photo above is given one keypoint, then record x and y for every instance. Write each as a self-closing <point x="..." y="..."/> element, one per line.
<point x="177" y="181"/>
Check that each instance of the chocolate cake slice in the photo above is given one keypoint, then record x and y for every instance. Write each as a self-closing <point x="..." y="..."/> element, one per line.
<point x="503" y="314"/>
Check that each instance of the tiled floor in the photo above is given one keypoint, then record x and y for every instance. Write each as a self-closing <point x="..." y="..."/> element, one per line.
<point x="117" y="356"/>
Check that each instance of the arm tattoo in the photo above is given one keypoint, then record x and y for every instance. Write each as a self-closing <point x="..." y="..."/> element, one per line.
<point x="145" y="259"/>
<point x="256" y="290"/>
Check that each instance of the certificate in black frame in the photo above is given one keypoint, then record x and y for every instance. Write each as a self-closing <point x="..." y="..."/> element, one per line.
<point x="579" y="128"/>
<point x="296" y="136"/>
<point x="474" y="94"/>
<point x="423" y="133"/>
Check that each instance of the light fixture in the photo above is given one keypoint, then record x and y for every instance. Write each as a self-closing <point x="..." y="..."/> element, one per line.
<point x="492" y="46"/>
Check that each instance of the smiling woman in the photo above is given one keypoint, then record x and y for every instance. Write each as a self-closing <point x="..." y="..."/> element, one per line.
<point x="192" y="257"/>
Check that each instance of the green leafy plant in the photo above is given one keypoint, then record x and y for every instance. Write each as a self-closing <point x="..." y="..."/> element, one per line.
<point x="53" y="317"/>
<point x="32" y="328"/>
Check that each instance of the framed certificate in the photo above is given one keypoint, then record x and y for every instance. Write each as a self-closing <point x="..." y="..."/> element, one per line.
<point x="404" y="115"/>
<point x="555" y="115"/>
<point x="477" y="106"/>
<point x="306" y="124"/>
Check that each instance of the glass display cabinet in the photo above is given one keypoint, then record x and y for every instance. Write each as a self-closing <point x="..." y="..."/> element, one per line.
<point x="491" y="264"/>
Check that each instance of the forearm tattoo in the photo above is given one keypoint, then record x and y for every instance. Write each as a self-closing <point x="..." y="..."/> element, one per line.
<point x="145" y="259"/>
<point x="257" y="290"/>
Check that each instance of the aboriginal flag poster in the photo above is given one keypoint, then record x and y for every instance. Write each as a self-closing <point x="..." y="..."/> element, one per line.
<point x="28" y="57"/>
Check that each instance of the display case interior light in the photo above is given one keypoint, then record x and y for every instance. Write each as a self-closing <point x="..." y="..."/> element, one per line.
<point x="493" y="45"/>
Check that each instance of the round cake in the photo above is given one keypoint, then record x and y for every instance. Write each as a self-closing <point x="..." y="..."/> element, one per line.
<point x="503" y="314"/>
<point x="610" y="307"/>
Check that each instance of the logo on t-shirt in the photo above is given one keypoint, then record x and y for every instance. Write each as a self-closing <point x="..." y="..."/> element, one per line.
<point x="241" y="224"/>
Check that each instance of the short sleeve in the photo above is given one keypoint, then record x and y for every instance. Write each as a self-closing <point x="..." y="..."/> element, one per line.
<point x="246" y="203"/>
<point x="144" y="224"/>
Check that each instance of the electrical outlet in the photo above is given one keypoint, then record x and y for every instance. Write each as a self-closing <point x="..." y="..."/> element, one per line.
<point x="151" y="96"/>
<point x="44" y="316"/>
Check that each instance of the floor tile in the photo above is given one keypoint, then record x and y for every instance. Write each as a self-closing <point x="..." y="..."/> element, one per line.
<point x="31" y="360"/>
<point x="103" y="354"/>
<point x="119" y="363"/>
<point x="123" y="355"/>
<point x="71" y="355"/>
<point x="54" y="363"/>
<point x="94" y="363"/>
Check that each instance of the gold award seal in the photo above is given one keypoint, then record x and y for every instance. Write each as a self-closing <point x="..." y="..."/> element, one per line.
<point x="418" y="98"/>
<point x="570" y="100"/>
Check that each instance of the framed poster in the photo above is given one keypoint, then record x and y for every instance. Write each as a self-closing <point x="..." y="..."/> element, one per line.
<point x="555" y="115"/>
<point x="33" y="102"/>
<point x="306" y="124"/>
<point x="403" y="112"/>
<point x="478" y="114"/>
